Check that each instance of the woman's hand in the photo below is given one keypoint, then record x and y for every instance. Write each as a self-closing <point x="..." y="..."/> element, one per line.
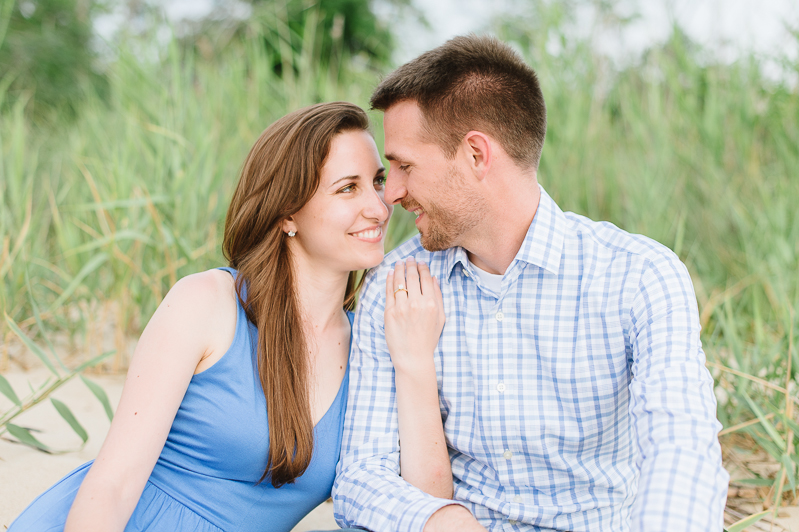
<point x="414" y="321"/>
<point x="414" y="315"/>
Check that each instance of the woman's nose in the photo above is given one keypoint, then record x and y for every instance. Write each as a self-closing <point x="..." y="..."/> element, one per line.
<point x="376" y="207"/>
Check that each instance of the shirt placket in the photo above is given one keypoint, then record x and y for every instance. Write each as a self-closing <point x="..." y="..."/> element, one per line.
<point x="498" y="382"/>
<point x="508" y="390"/>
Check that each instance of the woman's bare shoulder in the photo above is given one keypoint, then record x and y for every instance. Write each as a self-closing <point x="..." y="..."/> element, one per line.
<point x="207" y="302"/>
<point x="202" y="305"/>
<point x="203" y="291"/>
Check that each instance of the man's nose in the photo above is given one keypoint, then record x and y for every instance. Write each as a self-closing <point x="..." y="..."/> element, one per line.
<point x="395" y="187"/>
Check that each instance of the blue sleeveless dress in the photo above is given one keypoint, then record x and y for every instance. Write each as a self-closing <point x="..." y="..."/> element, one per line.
<point x="205" y="478"/>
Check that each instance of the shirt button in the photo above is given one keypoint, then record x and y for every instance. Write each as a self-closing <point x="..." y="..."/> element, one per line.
<point x="508" y="455"/>
<point x="500" y="316"/>
<point x="517" y="498"/>
<point x="466" y="273"/>
<point x="501" y="387"/>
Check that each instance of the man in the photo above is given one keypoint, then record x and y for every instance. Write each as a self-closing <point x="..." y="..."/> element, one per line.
<point x="571" y="376"/>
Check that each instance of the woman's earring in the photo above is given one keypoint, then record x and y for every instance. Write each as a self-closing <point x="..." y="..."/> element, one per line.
<point x="292" y="233"/>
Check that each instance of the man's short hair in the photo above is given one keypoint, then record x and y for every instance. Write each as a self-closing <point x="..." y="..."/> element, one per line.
<point x="472" y="83"/>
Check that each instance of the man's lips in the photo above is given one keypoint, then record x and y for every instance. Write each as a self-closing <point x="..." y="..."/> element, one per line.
<point x="415" y="208"/>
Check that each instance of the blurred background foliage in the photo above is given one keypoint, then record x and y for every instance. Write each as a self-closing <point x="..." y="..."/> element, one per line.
<point x="46" y="54"/>
<point x="116" y="169"/>
<point x="339" y="26"/>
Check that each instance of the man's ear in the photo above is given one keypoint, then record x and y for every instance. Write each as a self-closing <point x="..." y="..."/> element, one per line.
<point x="478" y="149"/>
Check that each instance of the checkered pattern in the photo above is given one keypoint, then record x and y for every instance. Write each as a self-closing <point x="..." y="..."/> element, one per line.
<point x="575" y="399"/>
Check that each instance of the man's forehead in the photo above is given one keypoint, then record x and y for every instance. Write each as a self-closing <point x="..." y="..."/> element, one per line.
<point x="405" y="110"/>
<point x="402" y="125"/>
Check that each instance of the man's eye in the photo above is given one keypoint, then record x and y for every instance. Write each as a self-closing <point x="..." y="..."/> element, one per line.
<point x="404" y="167"/>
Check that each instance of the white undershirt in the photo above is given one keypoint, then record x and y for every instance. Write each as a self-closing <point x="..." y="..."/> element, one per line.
<point x="490" y="281"/>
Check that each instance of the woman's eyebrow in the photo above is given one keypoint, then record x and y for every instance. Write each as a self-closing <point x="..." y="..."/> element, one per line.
<point x="346" y="177"/>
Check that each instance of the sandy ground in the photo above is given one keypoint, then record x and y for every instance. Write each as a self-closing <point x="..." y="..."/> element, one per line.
<point x="24" y="472"/>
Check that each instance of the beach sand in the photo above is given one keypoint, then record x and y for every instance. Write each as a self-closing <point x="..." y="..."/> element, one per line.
<point x="25" y="472"/>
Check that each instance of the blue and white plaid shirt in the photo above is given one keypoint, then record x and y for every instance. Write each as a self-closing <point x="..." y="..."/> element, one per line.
<point x="576" y="398"/>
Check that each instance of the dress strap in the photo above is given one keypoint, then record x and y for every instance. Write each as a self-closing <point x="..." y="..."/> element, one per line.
<point x="232" y="271"/>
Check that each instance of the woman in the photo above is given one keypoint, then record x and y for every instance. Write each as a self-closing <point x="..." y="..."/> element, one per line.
<point x="232" y="410"/>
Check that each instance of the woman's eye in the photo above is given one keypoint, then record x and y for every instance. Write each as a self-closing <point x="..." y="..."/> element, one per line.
<point x="380" y="181"/>
<point x="348" y="188"/>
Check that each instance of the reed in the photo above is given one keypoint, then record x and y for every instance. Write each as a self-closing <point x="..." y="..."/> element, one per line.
<point x="103" y="214"/>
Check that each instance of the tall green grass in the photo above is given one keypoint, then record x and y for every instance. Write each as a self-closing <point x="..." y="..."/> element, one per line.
<point x="104" y="213"/>
<point x="119" y="204"/>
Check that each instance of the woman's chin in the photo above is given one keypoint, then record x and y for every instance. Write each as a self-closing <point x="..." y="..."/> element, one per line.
<point x="369" y="261"/>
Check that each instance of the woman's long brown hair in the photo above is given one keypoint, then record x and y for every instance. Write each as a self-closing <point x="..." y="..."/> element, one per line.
<point x="279" y="176"/>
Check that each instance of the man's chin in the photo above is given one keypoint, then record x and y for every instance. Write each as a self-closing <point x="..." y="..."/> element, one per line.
<point x="434" y="242"/>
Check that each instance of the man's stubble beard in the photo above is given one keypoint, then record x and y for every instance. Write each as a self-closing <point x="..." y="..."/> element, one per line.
<point x="446" y="226"/>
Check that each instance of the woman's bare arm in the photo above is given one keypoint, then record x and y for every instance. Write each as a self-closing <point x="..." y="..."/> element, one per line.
<point x="414" y="319"/>
<point x="193" y="323"/>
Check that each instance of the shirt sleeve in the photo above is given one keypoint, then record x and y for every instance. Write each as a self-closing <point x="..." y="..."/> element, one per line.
<point x="368" y="491"/>
<point x="682" y="484"/>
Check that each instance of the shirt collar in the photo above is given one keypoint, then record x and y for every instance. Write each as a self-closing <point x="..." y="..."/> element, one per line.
<point x="542" y="245"/>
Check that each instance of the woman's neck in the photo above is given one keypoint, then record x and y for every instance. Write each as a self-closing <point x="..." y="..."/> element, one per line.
<point x="321" y="295"/>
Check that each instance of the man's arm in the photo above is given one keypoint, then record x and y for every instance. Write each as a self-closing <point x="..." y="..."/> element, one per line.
<point x="683" y="485"/>
<point x="369" y="491"/>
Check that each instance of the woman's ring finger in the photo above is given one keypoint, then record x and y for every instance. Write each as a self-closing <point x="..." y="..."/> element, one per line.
<point x="401" y="288"/>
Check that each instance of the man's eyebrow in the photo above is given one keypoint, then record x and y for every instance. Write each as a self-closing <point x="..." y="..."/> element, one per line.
<point x="392" y="157"/>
